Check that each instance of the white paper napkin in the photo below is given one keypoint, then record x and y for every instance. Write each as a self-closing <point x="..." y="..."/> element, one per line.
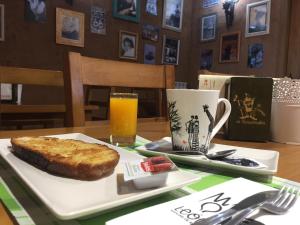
<point x="186" y="210"/>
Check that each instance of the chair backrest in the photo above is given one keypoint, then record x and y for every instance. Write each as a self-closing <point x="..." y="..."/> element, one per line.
<point x="81" y="70"/>
<point x="13" y="75"/>
<point x="30" y="114"/>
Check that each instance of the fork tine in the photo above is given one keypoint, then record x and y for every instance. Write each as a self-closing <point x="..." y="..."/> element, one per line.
<point x="292" y="202"/>
<point x="290" y="196"/>
<point x="281" y="195"/>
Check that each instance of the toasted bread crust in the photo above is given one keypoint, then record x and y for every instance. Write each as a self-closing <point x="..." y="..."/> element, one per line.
<point x="69" y="158"/>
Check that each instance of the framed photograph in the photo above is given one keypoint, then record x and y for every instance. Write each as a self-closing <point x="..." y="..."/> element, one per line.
<point x="171" y="48"/>
<point x="128" y="45"/>
<point x="209" y="3"/>
<point x="35" y="10"/>
<point x="98" y="20"/>
<point x="149" y="54"/>
<point x="150" y="32"/>
<point x="69" y="27"/>
<point x="151" y="7"/>
<point x="255" y="56"/>
<point x="172" y="15"/>
<point x="258" y="18"/>
<point x="208" y="27"/>
<point x="2" y="24"/>
<point x="206" y="59"/>
<point x="127" y="10"/>
<point x="230" y="47"/>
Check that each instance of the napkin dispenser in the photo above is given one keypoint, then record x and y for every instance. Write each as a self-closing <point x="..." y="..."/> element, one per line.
<point x="285" y="116"/>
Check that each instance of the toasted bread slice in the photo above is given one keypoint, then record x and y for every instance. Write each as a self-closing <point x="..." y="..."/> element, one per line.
<point x="69" y="158"/>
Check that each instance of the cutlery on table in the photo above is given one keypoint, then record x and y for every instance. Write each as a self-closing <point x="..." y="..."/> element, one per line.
<point x="277" y="205"/>
<point x="244" y="204"/>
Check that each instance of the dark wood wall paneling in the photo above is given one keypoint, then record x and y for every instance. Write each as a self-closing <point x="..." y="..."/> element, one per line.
<point x="33" y="45"/>
<point x="275" y="44"/>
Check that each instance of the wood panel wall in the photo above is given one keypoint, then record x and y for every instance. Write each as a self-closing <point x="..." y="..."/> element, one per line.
<point x="275" y="44"/>
<point x="33" y="45"/>
<point x="293" y="66"/>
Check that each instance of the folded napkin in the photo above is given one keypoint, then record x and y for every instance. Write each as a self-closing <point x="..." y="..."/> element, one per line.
<point x="187" y="210"/>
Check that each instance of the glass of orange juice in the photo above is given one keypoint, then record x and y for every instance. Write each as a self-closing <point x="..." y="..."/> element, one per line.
<point x="123" y="118"/>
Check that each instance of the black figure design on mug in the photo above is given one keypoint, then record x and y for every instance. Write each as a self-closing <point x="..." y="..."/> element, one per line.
<point x="192" y="127"/>
<point x="204" y="147"/>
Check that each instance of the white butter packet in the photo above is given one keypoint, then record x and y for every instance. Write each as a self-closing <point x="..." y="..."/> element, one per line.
<point x="147" y="167"/>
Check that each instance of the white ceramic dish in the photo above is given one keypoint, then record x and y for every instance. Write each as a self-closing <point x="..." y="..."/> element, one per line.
<point x="266" y="157"/>
<point x="70" y="198"/>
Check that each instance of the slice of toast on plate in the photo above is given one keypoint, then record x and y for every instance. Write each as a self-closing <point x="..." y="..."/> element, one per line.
<point x="68" y="158"/>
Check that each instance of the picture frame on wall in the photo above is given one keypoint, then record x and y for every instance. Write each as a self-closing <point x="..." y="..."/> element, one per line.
<point x="150" y="32"/>
<point x="2" y="23"/>
<point x="255" y="56"/>
<point x="206" y="59"/>
<point x="230" y="47"/>
<point x="209" y="3"/>
<point x="151" y="7"/>
<point x="149" y="54"/>
<point x="171" y="49"/>
<point x="128" y="45"/>
<point x="35" y="11"/>
<point x="127" y="10"/>
<point x="98" y="20"/>
<point x="172" y="14"/>
<point x="258" y="18"/>
<point x="69" y="27"/>
<point x="208" y="27"/>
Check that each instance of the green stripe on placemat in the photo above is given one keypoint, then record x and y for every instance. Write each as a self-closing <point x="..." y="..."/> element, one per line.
<point x="209" y="181"/>
<point x="14" y="206"/>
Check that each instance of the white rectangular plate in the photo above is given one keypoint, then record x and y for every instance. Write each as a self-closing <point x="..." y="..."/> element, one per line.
<point x="70" y="198"/>
<point x="266" y="157"/>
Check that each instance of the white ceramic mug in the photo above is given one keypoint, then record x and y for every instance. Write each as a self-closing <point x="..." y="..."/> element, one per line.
<point x="192" y="116"/>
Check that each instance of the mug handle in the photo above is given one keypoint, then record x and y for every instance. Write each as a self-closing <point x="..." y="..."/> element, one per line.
<point x="224" y="117"/>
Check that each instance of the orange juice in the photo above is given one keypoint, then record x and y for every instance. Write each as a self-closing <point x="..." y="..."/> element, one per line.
<point x="123" y="118"/>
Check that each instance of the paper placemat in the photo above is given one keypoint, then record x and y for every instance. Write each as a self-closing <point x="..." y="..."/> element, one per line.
<point x="43" y="214"/>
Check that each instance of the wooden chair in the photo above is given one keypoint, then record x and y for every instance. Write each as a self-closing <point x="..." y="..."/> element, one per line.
<point x="21" y="115"/>
<point x="81" y="70"/>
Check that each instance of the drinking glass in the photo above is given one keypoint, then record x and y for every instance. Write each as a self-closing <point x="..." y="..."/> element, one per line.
<point x="123" y="118"/>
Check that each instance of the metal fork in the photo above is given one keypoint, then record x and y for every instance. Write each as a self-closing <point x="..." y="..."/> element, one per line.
<point x="279" y="205"/>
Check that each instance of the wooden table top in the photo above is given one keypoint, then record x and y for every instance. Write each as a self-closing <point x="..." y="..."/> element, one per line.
<point x="289" y="160"/>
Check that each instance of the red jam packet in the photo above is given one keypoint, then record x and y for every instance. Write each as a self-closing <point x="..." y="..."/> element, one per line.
<point x="148" y="167"/>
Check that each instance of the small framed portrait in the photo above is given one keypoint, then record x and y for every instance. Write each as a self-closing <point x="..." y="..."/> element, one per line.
<point x="149" y="54"/>
<point x="35" y="10"/>
<point x="258" y="18"/>
<point x="172" y="14"/>
<point x="98" y="20"/>
<point x="2" y="24"/>
<point x="206" y="59"/>
<point x="230" y="47"/>
<point x="128" y="46"/>
<point x="208" y="27"/>
<point x="209" y="3"/>
<point x="69" y="27"/>
<point x="151" y="7"/>
<point x="171" y="48"/>
<point x="255" y="56"/>
<point x="150" y="32"/>
<point x="127" y="10"/>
